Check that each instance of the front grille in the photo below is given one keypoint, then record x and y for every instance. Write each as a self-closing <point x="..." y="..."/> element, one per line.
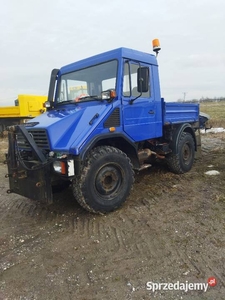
<point x="38" y="135"/>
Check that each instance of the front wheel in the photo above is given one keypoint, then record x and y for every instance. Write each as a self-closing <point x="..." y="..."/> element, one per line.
<point x="181" y="161"/>
<point x="105" y="181"/>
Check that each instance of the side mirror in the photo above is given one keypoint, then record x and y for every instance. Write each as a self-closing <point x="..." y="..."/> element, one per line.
<point x="143" y="79"/>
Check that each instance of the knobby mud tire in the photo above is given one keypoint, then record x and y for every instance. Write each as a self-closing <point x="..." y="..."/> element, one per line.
<point x="182" y="161"/>
<point x="105" y="181"/>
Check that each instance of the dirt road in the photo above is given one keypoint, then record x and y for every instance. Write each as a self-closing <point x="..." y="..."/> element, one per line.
<point x="170" y="230"/>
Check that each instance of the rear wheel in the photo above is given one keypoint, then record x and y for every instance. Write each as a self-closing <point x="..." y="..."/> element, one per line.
<point x="105" y="181"/>
<point x="182" y="161"/>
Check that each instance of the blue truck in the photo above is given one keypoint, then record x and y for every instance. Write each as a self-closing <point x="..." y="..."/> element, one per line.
<point x="96" y="140"/>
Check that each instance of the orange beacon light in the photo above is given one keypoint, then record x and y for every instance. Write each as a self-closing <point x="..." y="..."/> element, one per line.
<point x="156" y="46"/>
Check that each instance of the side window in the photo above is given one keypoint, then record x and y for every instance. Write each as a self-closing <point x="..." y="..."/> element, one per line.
<point x="130" y="81"/>
<point x="126" y="80"/>
<point x="133" y="75"/>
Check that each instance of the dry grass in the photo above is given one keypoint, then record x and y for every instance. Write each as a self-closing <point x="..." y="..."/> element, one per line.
<point x="216" y="110"/>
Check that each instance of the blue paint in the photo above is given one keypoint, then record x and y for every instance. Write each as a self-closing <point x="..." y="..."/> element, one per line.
<point x="68" y="127"/>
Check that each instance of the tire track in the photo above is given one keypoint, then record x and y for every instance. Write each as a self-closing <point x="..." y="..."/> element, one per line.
<point x="124" y="237"/>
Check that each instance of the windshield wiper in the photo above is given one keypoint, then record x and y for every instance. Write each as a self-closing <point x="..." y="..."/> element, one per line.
<point x="66" y="101"/>
<point x="82" y="99"/>
<point x="89" y="97"/>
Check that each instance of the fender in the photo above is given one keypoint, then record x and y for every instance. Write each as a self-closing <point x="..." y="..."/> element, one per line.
<point x="117" y="140"/>
<point x="186" y="127"/>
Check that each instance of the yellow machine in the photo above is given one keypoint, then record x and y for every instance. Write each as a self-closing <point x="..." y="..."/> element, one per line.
<point x="26" y="107"/>
<point x="76" y="91"/>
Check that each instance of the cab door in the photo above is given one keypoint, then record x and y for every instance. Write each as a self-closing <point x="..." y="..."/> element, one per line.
<point x="141" y="120"/>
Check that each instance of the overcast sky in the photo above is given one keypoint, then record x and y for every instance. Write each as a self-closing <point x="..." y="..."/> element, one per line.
<point x="39" y="35"/>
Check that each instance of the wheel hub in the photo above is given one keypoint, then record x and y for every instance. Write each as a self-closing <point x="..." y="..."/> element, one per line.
<point x="108" y="180"/>
<point x="186" y="153"/>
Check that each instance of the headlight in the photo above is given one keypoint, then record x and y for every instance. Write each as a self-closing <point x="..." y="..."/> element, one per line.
<point x="64" y="167"/>
<point x="60" y="166"/>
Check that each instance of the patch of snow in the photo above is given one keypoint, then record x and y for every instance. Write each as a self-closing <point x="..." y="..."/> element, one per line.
<point x="210" y="166"/>
<point x="213" y="130"/>
<point x="212" y="172"/>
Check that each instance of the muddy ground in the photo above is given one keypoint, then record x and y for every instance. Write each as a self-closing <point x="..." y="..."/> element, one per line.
<point x="172" y="228"/>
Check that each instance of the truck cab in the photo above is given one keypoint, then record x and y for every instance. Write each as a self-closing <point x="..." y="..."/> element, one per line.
<point x="105" y="119"/>
<point x="110" y="96"/>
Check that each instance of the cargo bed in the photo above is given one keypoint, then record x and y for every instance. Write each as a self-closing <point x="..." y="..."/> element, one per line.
<point x="175" y="113"/>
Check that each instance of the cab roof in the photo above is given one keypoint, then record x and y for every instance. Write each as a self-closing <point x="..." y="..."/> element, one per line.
<point x="119" y="54"/>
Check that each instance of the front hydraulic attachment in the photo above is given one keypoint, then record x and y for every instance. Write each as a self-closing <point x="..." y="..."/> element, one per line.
<point x="28" y="178"/>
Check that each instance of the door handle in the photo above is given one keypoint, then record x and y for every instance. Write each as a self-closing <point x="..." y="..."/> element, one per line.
<point x="151" y="112"/>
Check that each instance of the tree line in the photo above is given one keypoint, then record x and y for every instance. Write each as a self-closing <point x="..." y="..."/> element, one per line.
<point x="203" y="99"/>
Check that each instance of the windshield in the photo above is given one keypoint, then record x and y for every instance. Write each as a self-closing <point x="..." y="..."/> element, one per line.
<point x="87" y="83"/>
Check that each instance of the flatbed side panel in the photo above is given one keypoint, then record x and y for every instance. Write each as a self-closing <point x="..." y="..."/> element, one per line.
<point x="180" y="112"/>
